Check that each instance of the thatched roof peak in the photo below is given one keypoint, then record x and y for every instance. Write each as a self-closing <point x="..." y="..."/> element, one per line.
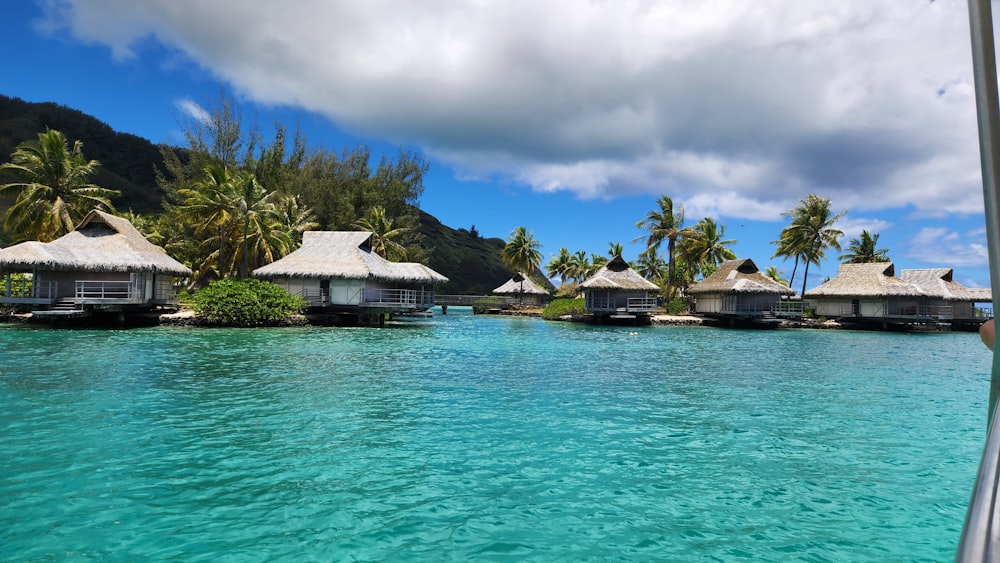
<point x="617" y="274"/>
<point x="102" y="242"/>
<point x="520" y="284"/>
<point x="739" y="276"/>
<point x="940" y="282"/>
<point x="876" y="279"/>
<point x="345" y="255"/>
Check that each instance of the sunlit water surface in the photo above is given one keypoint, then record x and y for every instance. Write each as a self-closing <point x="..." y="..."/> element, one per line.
<point x="481" y="437"/>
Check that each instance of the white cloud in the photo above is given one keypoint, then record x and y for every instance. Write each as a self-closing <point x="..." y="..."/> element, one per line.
<point x="937" y="246"/>
<point x="193" y="110"/>
<point x="735" y="107"/>
<point x="852" y="227"/>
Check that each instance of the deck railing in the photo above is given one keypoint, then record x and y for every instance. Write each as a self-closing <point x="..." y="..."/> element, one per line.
<point x="316" y="297"/>
<point x="615" y="303"/>
<point x="107" y="291"/>
<point x="410" y="298"/>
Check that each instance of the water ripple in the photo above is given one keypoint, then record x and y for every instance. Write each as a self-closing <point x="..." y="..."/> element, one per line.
<point x="487" y="438"/>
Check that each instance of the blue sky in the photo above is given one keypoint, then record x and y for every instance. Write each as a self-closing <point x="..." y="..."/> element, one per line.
<point x="568" y="118"/>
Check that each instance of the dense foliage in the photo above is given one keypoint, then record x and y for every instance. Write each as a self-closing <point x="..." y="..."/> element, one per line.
<point x="561" y="307"/>
<point x="168" y="193"/>
<point x="246" y="302"/>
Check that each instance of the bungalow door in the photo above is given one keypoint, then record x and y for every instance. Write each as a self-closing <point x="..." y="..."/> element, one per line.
<point x="855" y="307"/>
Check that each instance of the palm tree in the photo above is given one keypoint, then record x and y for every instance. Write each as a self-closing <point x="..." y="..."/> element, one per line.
<point x="522" y="253"/>
<point x="596" y="263"/>
<point x="560" y="265"/>
<point x="384" y="241"/>
<point x="810" y="233"/>
<point x="706" y="249"/>
<point x="579" y="267"/>
<point x="294" y="216"/>
<point x="652" y="266"/>
<point x="863" y="250"/>
<point x="788" y="246"/>
<point x="615" y="249"/>
<point x="773" y="273"/>
<point x="208" y="205"/>
<point x="264" y="239"/>
<point x="53" y="192"/>
<point x="664" y="225"/>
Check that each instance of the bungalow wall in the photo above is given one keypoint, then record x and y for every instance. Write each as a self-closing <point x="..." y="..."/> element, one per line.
<point x="737" y="303"/>
<point x="847" y="307"/>
<point x="306" y="287"/>
<point x="610" y="300"/>
<point x="708" y="303"/>
<point x="873" y="307"/>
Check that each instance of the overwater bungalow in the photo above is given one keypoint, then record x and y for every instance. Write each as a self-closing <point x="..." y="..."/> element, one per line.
<point x="524" y="290"/>
<point x="949" y="300"/>
<point x="872" y="293"/>
<point x="738" y="290"/>
<point x="618" y="292"/>
<point x="104" y="265"/>
<point x="337" y="272"/>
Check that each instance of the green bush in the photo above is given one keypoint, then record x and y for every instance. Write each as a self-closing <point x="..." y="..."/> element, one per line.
<point x="246" y="302"/>
<point x="561" y="307"/>
<point x="677" y="306"/>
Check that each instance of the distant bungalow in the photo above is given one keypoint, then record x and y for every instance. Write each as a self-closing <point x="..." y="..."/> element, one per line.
<point x="737" y="290"/>
<point x="524" y="289"/>
<point x="948" y="299"/>
<point x="105" y="264"/>
<point x="337" y="272"/>
<point x="872" y="293"/>
<point x="618" y="292"/>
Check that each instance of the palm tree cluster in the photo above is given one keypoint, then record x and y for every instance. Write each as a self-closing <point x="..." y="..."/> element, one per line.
<point x="691" y="251"/>
<point x="810" y="233"/>
<point x="699" y="249"/>
<point x="240" y="224"/>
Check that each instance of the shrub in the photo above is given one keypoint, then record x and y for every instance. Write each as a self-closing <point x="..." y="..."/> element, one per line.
<point x="561" y="307"/>
<point x="677" y="306"/>
<point x="246" y="302"/>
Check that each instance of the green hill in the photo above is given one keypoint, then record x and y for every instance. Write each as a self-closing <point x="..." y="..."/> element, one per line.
<point x="129" y="164"/>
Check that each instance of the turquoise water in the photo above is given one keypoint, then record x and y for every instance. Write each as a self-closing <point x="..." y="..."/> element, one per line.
<point x="487" y="438"/>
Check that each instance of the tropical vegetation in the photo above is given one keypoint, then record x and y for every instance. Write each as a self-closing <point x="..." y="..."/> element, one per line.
<point x="561" y="307"/>
<point x="246" y="302"/>
<point x="664" y="224"/>
<point x="810" y="233"/>
<point x="522" y="253"/>
<point x="52" y="188"/>
<point x="864" y="249"/>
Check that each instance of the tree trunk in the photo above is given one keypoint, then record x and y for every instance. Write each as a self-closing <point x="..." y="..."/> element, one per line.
<point x="670" y="269"/>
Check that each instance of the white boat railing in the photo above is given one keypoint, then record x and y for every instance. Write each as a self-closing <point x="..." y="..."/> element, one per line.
<point x="980" y="540"/>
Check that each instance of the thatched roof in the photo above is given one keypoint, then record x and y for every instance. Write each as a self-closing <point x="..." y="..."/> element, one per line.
<point x="617" y="274"/>
<point x="344" y="255"/>
<point x="939" y="282"/>
<point x="514" y="287"/>
<point x="100" y="243"/>
<point x="739" y="276"/>
<point x="867" y="280"/>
